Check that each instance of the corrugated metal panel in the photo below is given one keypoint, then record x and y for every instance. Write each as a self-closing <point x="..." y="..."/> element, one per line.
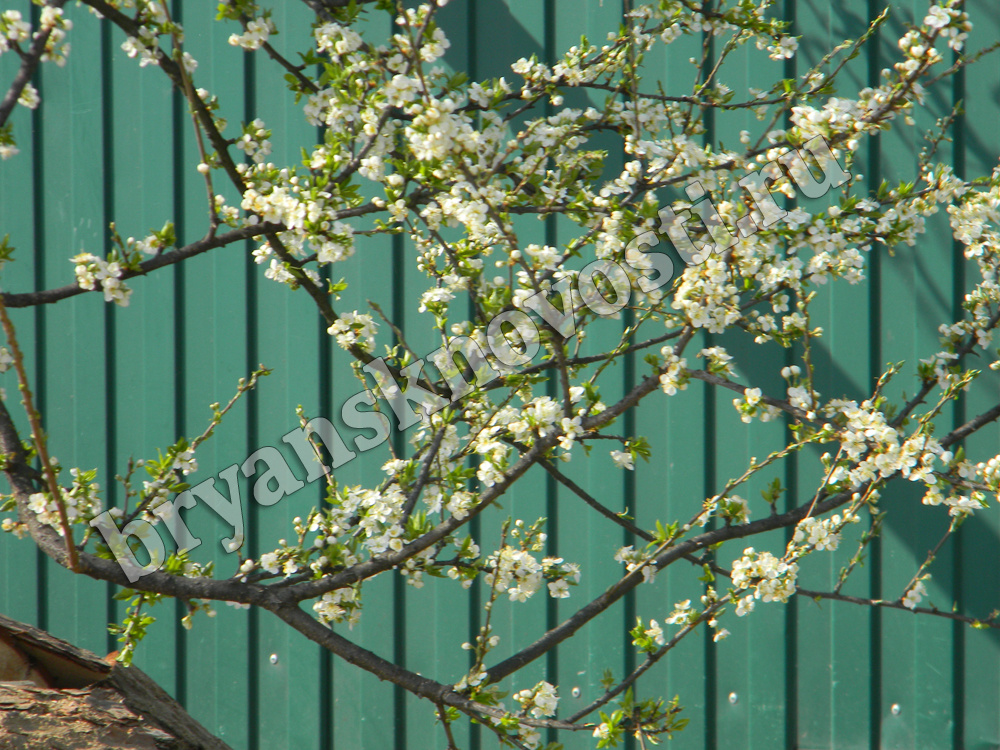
<point x="111" y="142"/>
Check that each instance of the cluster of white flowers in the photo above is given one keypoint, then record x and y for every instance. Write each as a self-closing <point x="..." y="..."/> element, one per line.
<point x="354" y="329"/>
<point x="821" y="533"/>
<point x="155" y="494"/>
<point x="673" y="377"/>
<point x="958" y="503"/>
<point x="433" y="298"/>
<point x="515" y="571"/>
<point x="489" y="473"/>
<point x="254" y="141"/>
<point x="29" y="97"/>
<point x="257" y="32"/>
<point x="336" y="245"/>
<point x="914" y="594"/>
<point x="765" y="576"/>
<point x="304" y="206"/>
<point x="437" y="129"/>
<point x="539" y="701"/>
<point x="882" y="449"/>
<point x="337" y="41"/>
<point x="14" y="31"/>
<point x="91" y="271"/>
<point x="144" y="46"/>
<point x="682" y="614"/>
<point x="279" y="204"/>
<point x="473" y="679"/>
<point x="341" y="605"/>
<point x="951" y="22"/>
<point x="185" y="462"/>
<point x="578" y="66"/>
<point x="752" y="405"/>
<point x="10" y="526"/>
<point x="149" y="245"/>
<point x="279" y="270"/>
<point x="718" y="361"/>
<point x="974" y="220"/>
<point x="988" y="470"/>
<point x="540" y="415"/>
<point x="783" y="49"/>
<point x="655" y="633"/>
<point x="837" y="117"/>
<point x="571" y="429"/>
<point x="459" y="503"/>
<point x="381" y="514"/>
<point x="544" y="257"/>
<point x="801" y="397"/>
<point x="13" y="28"/>
<point x="486" y="441"/>
<point x="635" y="559"/>
<point x="707" y="297"/>
<point x="80" y="501"/>
<point x="282" y="561"/>
<point x="733" y="508"/>
<point x="151" y="22"/>
<point x="623" y="460"/>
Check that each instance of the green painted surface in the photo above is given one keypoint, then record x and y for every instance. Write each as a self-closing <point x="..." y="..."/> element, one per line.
<point x="807" y="676"/>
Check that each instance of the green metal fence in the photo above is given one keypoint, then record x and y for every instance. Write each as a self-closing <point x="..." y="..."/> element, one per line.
<point x="112" y="142"/>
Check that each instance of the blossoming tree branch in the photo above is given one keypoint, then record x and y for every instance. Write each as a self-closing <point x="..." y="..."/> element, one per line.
<point x="666" y="238"/>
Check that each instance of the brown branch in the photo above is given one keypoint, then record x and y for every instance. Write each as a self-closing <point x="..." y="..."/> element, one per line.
<point x="172" y="70"/>
<point x="189" y="93"/>
<point x="38" y="436"/>
<point x="593" y="503"/>
<point x="294" y="70"/>
<point x="648" y="663"/>
<point x="928" y="385"/>
<point x="49" y="296"/>
<point x="417" y="684"/>
<point x="817" y="506"/>
<point x="21" y="478"/>
<point x="667" y="556"/>
<point x="376" y="565"/>
<point x="425" y="473"/>
<point x="323" y="6"/>
<point x="960" y="433"/>
<point x="713" y="379"/>
<point x="990" y="622"/>
<point x="29" y="62"/>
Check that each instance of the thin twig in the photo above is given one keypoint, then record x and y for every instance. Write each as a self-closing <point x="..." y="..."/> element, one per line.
<point x="38" y="436"/>
<point x="29" y="62"/>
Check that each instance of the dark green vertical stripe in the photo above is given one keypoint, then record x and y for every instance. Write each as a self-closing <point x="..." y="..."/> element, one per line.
<point x="326" y="408"/>
<point x="38" y="250"/>
<point x="178" y="117"/>
<point x="709" y="469"/>
<point x="958" y="294"/>
<point x="629" y="500"/>
<point x="399" y="446"/>
<point x="476" y="591"/>
<point x="253" y="439"/>
<point x="551" y="488"/>
<point x="111" y="374"/>
<point x="873" y="168"/>
<point x="791" y="494"/>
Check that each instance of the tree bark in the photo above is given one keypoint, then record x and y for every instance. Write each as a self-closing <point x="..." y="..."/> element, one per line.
<point x="89" y="702"/>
